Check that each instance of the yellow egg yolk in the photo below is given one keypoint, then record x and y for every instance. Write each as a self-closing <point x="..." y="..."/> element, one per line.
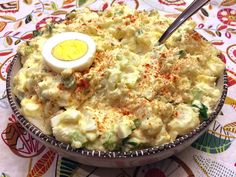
<point x="69" y="50"/>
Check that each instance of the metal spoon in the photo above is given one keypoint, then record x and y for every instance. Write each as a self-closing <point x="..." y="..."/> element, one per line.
<point x="188" y="12"/>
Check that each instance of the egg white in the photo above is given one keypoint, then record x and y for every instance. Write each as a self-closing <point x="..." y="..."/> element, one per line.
<point x="79" y="64"/>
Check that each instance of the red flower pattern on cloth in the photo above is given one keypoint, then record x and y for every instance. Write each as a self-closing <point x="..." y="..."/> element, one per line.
<point x="227" y="16"/>
<point x="20" y="142"/>
<point x="231" y="52"/>
<point x="4" y="68"/>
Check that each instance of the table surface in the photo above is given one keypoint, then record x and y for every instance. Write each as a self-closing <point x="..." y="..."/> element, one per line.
<point x="213" y="154"/>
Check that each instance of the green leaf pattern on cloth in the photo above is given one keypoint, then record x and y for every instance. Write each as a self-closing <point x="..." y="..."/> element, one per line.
<point x="211" y="144"/>
<point x="66" y="167"/>
<point x="215" y="140"/>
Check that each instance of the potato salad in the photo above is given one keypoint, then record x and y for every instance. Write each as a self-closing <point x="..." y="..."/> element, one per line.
<point x="136" y="93"/>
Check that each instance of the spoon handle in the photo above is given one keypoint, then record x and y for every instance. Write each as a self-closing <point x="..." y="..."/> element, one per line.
<point x="188" y="12"/>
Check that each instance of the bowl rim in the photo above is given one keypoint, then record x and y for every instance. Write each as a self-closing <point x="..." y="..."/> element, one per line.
<point x="32" y="129"/>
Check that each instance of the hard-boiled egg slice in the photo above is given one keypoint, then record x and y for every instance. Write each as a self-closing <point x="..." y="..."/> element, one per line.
<point x="69" y="50"/>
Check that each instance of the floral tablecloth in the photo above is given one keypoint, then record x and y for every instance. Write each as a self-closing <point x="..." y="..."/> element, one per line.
<point x="213" y="154"/>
